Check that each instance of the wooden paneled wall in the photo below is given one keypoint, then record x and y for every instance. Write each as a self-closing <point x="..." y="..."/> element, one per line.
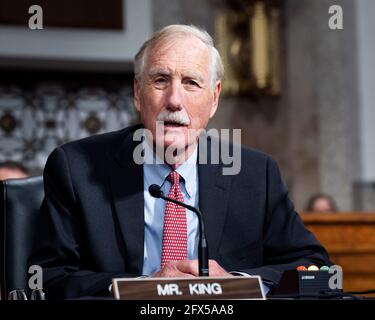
<point x="350" y="241"/>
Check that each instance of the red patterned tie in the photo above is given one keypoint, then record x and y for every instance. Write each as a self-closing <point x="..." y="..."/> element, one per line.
<point x="174" y="246"/>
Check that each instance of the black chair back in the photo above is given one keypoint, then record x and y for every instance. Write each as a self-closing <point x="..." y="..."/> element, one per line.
<point x="19" y="209"/>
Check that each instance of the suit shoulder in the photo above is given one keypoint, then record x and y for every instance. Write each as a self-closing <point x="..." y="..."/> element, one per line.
<point x="100" y="141"/>
<point x="254" y="154"/>
<point x="250" y="157"/>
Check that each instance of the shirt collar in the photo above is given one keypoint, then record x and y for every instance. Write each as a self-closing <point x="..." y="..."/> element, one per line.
<point x="188" y="171"/>
<point x="157" y="172"/>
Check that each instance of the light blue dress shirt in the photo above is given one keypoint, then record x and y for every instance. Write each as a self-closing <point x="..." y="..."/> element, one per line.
<point x="154" y="208"/>
<point x="156" y="172"/>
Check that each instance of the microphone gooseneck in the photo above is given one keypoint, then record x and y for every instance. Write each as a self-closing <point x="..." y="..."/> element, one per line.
<point x="156" y="192"/>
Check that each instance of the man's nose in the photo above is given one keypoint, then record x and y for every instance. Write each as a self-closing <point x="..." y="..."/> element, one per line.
<point x="174" y="98"/>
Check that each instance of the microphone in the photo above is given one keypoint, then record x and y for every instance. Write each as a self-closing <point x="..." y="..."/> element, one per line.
<point x="156" y="192"/>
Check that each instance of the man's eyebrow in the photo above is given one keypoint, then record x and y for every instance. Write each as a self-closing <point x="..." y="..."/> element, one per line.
<point x="158" y="71"/>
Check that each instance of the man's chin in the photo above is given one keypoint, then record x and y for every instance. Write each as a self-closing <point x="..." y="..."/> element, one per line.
<point x="175" y="141"/>
<point x="174" y="145"/>
<point x="174" y="150"/>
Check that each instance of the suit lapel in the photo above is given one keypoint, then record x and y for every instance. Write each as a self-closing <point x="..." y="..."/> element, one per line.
<point x="213" y="201"/>
<point x="126" y="181"/>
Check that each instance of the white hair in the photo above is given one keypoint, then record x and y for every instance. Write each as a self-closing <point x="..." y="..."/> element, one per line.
<point x="217" y="68"/>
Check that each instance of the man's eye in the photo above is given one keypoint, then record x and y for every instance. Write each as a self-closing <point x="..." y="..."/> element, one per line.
<point x="192" y="83"/>
<point x="160" y="80"/>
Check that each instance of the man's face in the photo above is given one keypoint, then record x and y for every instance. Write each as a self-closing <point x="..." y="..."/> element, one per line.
<point x="322" y="205"/>
<point x="176" y="88"/>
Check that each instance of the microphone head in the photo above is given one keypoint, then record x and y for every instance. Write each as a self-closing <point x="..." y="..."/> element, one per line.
<point x="155" y="191"/>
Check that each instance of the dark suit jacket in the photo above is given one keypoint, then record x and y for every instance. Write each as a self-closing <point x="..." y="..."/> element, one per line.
<point x="92" y="219"/>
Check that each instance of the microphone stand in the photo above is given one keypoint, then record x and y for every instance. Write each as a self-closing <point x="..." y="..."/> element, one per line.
<point x="156" y="192"/>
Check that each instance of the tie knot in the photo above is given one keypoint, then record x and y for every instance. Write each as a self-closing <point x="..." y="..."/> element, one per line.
<point x="174" y="177"/>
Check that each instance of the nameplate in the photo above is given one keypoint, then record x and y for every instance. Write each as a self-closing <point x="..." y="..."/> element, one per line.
<point x="200" y="288"/>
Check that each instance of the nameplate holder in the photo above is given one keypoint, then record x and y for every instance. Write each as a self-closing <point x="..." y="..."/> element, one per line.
<point x="200" y="288"/>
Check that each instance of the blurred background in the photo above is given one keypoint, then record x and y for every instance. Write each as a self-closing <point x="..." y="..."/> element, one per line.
<point x="299" y="90"/>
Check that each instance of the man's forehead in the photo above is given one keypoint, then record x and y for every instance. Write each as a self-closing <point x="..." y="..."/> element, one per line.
<point x="178" y="41"/>
<point x="180" y="55"/>
<point x="181" y="49"/>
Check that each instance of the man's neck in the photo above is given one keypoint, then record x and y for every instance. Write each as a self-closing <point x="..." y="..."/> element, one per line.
<point x="182" y="156"/>
<point x="174" y="160"/>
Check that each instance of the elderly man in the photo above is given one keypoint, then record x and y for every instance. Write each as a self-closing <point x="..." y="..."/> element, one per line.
<point x="98" y="220"/>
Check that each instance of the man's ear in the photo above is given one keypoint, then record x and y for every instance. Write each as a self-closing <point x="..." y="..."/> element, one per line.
<point x="216" y="97"/>
<point x="137" y="103"/>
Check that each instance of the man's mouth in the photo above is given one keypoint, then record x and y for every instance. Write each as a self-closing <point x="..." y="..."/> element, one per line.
<point x="174" y="124"/>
